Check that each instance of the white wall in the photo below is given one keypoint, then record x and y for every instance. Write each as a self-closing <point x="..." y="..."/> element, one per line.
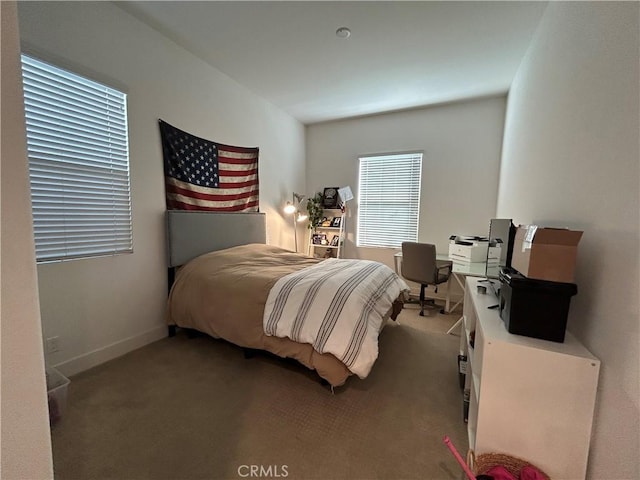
<point x="571" y="158"/>
<point x="460" y="167"/>
<point x="26" y="444"/>
<point x="103" y="307"/>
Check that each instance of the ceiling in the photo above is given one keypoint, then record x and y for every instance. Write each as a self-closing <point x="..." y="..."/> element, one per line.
<point x="400" y="55"/>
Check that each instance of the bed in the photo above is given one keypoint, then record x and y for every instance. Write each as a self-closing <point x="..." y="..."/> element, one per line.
<point x="229" y="284"/>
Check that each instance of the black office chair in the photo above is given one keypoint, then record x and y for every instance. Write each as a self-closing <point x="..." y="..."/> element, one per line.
<point x="419" y="265"/>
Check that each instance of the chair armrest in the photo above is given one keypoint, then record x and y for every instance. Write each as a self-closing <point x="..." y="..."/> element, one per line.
<point x="444" y="264"/>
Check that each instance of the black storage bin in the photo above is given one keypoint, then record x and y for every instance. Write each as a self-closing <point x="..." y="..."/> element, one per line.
<point x="535" y="308"/>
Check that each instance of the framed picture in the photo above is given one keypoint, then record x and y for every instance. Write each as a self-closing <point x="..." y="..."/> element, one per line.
<point x="335" y="241"/>
<point x="330" y="197"/>
<point x="326" y="222"/>
<point x="335" y="222"/>
<point x="316" y="239"/>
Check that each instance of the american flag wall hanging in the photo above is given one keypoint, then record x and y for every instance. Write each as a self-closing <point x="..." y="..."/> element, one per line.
<point x="204" y="175"/>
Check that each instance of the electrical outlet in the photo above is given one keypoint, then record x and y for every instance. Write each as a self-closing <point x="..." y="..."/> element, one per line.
<point x="53" y="344"/>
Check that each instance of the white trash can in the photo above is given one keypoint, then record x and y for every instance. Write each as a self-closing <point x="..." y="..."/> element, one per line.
<point x="57" y="385"/>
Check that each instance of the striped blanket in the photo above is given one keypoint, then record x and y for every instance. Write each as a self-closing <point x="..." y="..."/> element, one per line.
<point x="338" y="306"/>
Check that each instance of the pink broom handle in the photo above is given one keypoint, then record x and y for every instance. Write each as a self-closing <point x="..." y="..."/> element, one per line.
<point x="462" y="463"/>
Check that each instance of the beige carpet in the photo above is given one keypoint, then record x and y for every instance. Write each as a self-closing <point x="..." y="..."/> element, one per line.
<point x="196" y="409"/>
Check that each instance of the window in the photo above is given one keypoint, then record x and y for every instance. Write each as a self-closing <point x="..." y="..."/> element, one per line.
<point x="389" y="199"/>
<point x="78" y="164"/>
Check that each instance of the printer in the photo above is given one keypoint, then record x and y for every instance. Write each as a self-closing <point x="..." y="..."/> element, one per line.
<point x="468" y="249"/>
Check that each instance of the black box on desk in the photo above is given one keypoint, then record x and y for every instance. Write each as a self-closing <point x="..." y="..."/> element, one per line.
<point x="535" y="308"/>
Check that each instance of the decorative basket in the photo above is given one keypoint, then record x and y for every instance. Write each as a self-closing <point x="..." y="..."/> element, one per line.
<point x="485" y="461"/>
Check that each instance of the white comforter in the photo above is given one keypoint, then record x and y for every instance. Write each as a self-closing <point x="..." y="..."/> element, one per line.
<point x="337" y="306"/>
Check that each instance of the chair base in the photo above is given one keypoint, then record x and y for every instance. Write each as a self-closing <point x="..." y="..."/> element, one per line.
<point x="431" y="304"/>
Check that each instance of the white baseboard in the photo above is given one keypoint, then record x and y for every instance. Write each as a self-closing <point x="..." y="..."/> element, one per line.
<point x="101" y="355"/>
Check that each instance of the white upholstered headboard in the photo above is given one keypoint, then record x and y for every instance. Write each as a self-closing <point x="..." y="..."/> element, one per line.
<point x="194" y="233"/>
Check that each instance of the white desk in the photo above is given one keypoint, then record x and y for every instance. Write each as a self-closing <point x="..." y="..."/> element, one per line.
<point x="530" y="397"/>
<point x="459" y="272"/>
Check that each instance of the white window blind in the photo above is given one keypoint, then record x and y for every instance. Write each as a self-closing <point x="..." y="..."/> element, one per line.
<point x="78" y="164"/>
<point x="389" y="199"/>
